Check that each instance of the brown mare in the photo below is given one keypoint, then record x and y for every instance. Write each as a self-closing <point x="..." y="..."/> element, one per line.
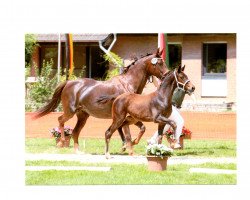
<point x="155" y="107"/>
<point x="88" y="97"/>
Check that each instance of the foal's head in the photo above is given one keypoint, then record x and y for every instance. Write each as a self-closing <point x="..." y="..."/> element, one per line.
<point x="155" y="65"/>
<point x="182" y="80"/>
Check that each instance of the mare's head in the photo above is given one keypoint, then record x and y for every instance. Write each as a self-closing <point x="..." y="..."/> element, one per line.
<point x="155" y="65"/>
<point x="182" y="80"/>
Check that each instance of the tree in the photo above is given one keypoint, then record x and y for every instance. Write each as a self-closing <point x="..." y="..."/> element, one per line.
<point x="30" y="45"/>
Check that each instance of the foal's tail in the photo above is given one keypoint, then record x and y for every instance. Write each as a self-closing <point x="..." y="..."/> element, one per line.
<point x="52" y="104"/>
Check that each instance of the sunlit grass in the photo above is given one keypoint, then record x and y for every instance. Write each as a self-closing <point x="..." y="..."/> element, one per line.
<point x="126" y="174"/>
<point x="207" y="148"/>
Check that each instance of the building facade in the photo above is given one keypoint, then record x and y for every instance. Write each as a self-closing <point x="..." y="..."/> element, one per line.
<point x="210" y="59"/>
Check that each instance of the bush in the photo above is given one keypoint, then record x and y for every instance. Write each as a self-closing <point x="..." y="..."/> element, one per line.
<point x="42" y="90"/>
<point x="30" y="45"/>
<point x="119" y="63"/>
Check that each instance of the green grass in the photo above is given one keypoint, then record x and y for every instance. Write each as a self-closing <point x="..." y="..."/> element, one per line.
<point x="126" y="174"/>
<point x="205" y="148"/>
<point x="129" y="174"/>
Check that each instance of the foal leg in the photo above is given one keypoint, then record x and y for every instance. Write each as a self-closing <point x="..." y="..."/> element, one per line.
<point x="129" y="120"/>
<point x="162" y="122"/>
<point x="81" y="121"/>
<point x="108" y="134"/>
<point x="142" y="128"/>
<point x="128" y="139"/>
<point x="160" y="132"/>
<point x="122" y="138"/>
<point x="125" y="125"/>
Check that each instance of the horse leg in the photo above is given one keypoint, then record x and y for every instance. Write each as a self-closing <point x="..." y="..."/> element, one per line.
<point x="117" y="122"/>
<point x="122" y="138"/>
<point x="62" y="119"/>
<point x="142" y="128"/>
<point x="128" y="121"/>
<point x="128" y="138"/>
<point x="160" y="132"/>
<point x="163" y="121"/>
<point x="81" y="121"/>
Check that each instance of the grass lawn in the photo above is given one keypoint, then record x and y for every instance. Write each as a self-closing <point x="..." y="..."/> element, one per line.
<point x="129" y="174"/>
<point x="126" y="174"/>
<point x="207" y="148"/>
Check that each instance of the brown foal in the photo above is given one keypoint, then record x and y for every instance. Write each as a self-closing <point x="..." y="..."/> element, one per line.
<point x="129" y="108"/>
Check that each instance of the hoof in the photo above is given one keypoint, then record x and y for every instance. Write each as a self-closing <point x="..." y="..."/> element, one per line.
<point x="124" y="147"/>
<point x="78" y="152"/>
<point x="175" y="146"/>
<point x="107" y="155"/>
<point x="59" y="144"/>
<point x="134" y="142"/>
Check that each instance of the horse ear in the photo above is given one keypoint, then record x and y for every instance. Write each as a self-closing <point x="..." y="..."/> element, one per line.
<point x="179" y="70"/>
<point x="160" y="53"/>
<point x="157" y="52"/>
<point x="182" y="69"/>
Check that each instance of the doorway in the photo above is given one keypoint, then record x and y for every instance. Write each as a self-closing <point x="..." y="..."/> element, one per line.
<point x="96" y="66"/>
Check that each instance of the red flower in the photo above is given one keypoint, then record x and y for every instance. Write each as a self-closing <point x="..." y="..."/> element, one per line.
<point x="185" y="132"/>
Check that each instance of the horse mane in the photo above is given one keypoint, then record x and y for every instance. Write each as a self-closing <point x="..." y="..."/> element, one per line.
<point x="165" y="77"/>
<point x="135" y="59"/>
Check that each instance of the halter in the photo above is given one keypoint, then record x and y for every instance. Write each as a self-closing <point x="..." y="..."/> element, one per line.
<point x="179" y="83"/>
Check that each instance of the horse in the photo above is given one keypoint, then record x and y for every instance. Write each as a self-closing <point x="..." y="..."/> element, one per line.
<point x="88" y="97"/>
<point x="128" y="108"/>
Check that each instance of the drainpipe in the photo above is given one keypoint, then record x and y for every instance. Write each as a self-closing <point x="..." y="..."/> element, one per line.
<point x="59" y="58"/>
<point x="107" y="51"/>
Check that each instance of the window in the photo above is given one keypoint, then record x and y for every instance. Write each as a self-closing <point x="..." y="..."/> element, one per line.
<point x="174" y="55"/>
<point x="214" y="81"/>
<point x="214" y="58"/>
<point x="48" y="53"/>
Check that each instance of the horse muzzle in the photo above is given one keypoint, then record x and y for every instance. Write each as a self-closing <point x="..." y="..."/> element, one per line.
<point x="190" y="90"/>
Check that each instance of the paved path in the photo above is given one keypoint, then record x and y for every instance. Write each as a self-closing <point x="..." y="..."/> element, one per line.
<point x="212" y="171"/>
<point x="88" y="158"/>
<point x="66" y="168"/>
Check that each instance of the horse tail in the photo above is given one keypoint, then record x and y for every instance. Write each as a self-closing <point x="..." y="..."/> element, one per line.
<point x="52" y="104"/>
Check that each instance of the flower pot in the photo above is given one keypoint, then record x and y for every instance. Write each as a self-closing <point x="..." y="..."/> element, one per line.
<point x="187" y="137"/>
<point x="66" y="142"/>
<point x="156" y="163"/>
<point x="182" y="142"/>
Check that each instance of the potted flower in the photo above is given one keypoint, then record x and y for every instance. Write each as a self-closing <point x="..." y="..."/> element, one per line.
<point x="56" y="133"/>
<point x="157" y="156"/>
<point x="185" y="134"/>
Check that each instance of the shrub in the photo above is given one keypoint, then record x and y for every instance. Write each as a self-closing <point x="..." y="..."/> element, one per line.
<point x="42" y="90"/>
<point x="30" y="45"/>
<point x="117" y="63"/>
